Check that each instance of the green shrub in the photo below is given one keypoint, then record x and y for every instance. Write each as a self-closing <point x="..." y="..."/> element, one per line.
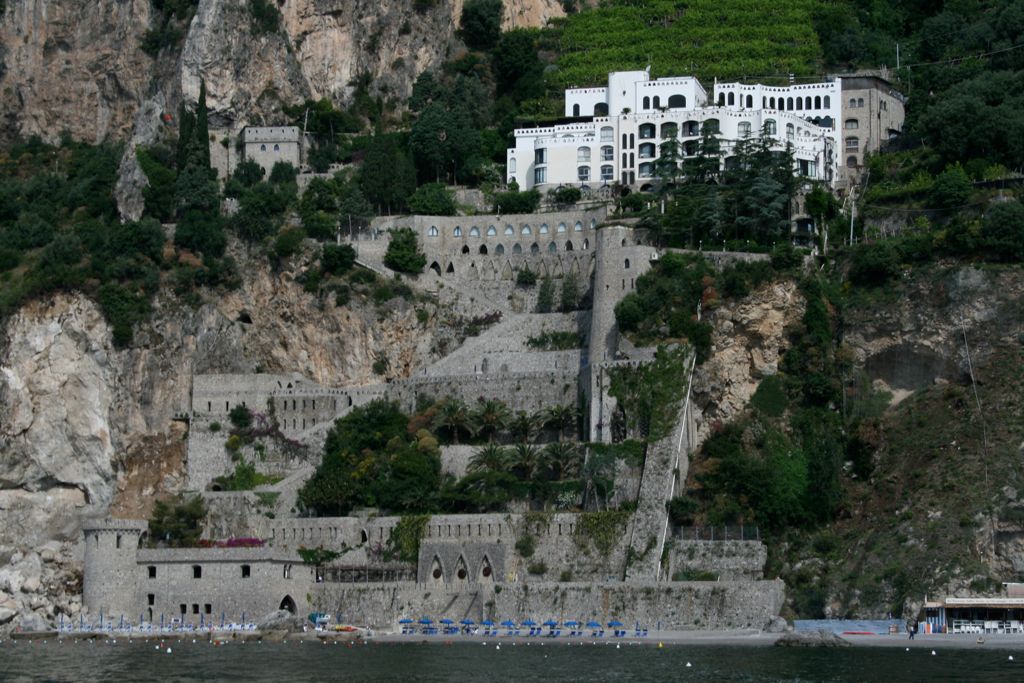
<point x="526" y="546"/>
<point x="524" y="278"/>
<point x="403" y="254"/>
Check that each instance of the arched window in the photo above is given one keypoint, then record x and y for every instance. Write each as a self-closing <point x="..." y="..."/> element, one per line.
<point x="474" y="231"/>
<point x="583" y="155"/>
<point x="433" y="231"/>
<point x="828" y="102"/>
<point x="817" y="101"/>
<point x="578" y="227"/>
<point x="509" y="230"/>
<point x="677" y="102"/>
<point x="769" y="127"/>
<point x="491" y="231"/>
<point x="646" y="131"/>
<point x="607" y="173"/>
<point x="607" y="153"/>
<point x="457" y="232"/>
<point x="607" y="134"/>
<point x="526" y="230"/>
<point x="851" y="124"/>
<point x="576" y="110"/>
<point x="732" y="99"/>
<point x="601" y="109"/>
<point x="647" y="103"/>
<point x="583" y="174"/>
<point x="743" y="129"/>
<point x="543" y="229"/>
<point x="561" y="227"/>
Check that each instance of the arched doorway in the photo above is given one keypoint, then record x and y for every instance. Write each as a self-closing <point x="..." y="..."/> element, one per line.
<point x="288" y="604"/>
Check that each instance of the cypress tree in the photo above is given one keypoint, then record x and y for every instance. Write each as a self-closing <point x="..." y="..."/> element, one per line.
<point x="202" y="130"/>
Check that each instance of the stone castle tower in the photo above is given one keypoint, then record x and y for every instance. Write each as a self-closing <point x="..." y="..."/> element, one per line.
<point x="111" y="571"/>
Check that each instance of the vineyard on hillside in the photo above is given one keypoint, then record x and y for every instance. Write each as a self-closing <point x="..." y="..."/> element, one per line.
<point x="731" y="39"/>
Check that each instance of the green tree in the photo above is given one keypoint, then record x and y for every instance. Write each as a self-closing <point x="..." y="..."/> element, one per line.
<point x="432" y="199"/>
<point x="546" y="295"/>
<point x="403" y="253"/>
<point x="480" y="25"/>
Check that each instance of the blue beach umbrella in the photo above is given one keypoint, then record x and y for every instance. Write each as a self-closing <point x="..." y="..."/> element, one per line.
<point x="467" y="622"/>
<point x="614" y="624"/>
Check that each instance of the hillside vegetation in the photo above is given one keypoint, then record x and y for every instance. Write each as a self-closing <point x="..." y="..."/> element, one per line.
<point x="706" y="38"/>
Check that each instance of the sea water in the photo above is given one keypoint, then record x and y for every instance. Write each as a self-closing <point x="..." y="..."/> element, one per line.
<point x="311" y="661"/>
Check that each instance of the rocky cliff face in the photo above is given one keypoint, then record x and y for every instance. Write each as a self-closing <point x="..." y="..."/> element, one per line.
<point x="86" y="427"/>
<point x="78" y="67"/>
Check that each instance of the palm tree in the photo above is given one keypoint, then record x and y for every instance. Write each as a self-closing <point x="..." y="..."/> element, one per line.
<point x="562" y="460"/>
<point x="490" y="458"/>
<point x="561" y="417"/>
<point x="525" y="425"/>
<point x="454" y="416"/>
<point x="524" y="461"/>
<point x="491" y="417"/>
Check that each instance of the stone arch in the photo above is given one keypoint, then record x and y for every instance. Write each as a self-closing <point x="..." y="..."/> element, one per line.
<point x="436" y="267"/>
<point x="436" y="570"/>
<point x="461" y="570"/>
<point x="486" y="572"/>
<point x="288" y="604"/>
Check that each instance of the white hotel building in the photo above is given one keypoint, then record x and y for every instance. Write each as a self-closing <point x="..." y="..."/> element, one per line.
<point x="613" y="133"/>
